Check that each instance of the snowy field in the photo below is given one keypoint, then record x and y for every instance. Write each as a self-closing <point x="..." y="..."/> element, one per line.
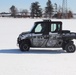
<point x="36" y="61"/>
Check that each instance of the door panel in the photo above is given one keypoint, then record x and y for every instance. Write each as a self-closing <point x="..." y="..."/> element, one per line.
<point x="54" y="40"/>
<point x="37" y="40"/>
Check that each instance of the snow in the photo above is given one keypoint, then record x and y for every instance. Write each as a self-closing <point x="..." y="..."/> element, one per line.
<point x="36" y="61"/>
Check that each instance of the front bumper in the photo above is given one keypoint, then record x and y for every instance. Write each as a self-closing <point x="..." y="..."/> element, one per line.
<point x="18" y="40"/>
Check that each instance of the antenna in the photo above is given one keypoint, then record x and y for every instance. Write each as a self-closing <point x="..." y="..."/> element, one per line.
<point x="64" y="9"/>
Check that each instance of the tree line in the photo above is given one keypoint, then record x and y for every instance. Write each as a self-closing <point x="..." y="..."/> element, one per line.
<point x="35" y="10"/>
<point x="49" y="11"/>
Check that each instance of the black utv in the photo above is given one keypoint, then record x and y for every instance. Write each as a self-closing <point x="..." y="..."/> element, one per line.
<point x="47" y="34"/>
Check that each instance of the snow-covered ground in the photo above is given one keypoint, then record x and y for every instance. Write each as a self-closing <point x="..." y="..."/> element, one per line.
<point x="36" y="61"/>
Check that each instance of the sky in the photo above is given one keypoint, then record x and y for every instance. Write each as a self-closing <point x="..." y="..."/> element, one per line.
<point x="25" y="4"/>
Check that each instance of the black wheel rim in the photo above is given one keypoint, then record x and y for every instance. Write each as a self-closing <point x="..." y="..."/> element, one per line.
<point x="71" y="48"/>
<point x="25" y="47"/>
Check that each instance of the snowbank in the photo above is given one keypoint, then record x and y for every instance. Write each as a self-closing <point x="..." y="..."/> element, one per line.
<point x="36" y="61"/>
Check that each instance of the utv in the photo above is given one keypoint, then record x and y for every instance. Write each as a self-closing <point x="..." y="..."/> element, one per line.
<point x="47" y="34"/>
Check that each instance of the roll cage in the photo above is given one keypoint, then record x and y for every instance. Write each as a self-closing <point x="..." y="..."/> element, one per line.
<point x="47" y="26"/>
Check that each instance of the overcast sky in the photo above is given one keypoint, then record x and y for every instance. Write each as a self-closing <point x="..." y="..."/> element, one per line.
<point x="25" y="4"/>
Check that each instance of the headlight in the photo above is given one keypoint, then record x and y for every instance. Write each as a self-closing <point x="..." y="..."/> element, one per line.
<point x="22" y="35"/>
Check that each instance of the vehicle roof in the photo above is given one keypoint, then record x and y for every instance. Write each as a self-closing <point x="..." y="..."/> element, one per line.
<point x="49" y="21"/>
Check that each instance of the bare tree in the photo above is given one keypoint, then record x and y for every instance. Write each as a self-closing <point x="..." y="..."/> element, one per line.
<point x="70" y="14"/>
<point x="13" y="10"/>
<point x="24" y="13"/>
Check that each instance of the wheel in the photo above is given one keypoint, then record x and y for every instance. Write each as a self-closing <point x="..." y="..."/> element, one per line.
<point x="24" y="46"/>
<point x="70" y="48"/>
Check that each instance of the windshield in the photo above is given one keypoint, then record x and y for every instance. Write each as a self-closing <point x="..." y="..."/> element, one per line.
<point x="38" y="27"/>
<point x="32" y="28"/>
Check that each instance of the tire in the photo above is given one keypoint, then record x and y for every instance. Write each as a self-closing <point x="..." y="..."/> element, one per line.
<point x="70" y="48"/>
<point x="24" y="46"/>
